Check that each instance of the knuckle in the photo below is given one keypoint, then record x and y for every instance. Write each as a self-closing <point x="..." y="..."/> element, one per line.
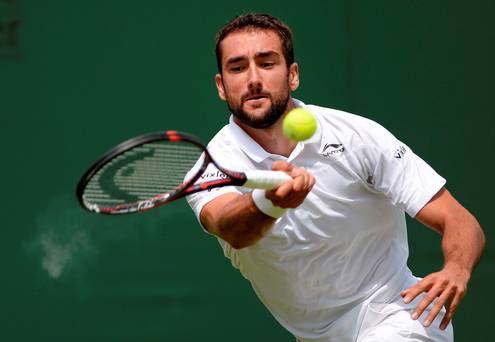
<point x="421" y="306"/>
<point x="433" y="314"/>
<point x="458" y="289"/>
<point x="438" y="278"/>
<point x="438" y="304"/>
<point x="280" y="193"/>
<point x="281" y="165"/>
<point x="444" y="280"/>
<point x="430" y="297"/>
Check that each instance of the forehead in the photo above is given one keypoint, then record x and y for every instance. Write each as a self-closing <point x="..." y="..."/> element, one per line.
<point x="250" y="42"/>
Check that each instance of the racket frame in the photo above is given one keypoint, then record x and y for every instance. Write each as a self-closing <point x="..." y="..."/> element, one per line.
<point x="184" y="189"/>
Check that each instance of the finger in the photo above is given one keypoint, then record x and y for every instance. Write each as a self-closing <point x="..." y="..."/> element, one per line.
<point x="298" y="171"/>
<point x="300" y="181"/>
<point x="295" y="172"/>
<point x="439" y="304"/>
<point x="284" y="189"/>
<point x="451" y="310"/>
<point x="309" y="179"/>
<point x="281" y="165"/>
<point x="273" y="194"/>
<point x="430" y="296"/>
<point x="312" y="182"/>
<point x="411" y="293"/>
<point x="446" y="320"/>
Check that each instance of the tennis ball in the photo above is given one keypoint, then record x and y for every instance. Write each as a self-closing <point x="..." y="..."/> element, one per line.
<point x="299" y="124"/>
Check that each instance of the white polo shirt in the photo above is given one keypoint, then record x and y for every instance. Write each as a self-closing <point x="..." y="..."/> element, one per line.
<point x="347" y="241"/>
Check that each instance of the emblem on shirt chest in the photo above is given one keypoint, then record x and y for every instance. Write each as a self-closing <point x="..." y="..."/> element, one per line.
<point x="332" y="149"/>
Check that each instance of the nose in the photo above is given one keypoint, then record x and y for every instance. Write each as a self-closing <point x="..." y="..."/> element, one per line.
<point x="255" y="83"/>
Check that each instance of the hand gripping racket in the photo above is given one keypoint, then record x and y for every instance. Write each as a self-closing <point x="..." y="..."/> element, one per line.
<point x="156" y="168"/>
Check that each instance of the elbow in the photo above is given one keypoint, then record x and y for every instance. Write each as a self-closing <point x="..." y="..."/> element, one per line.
<point x="478" y="230"/>
<point x="237" y="244"/>
<point x="237" y="240"/>
<point x="481" y="236"/>
<point x="237" y="237"/>
<point x="481" y="240"/>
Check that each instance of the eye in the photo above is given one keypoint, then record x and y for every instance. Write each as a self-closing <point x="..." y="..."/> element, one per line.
<point x="237" y="68"/>
<point x="267" y="65"/>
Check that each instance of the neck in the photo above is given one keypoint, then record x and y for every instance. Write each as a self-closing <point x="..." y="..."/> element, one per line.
<point x="272" y="139"/>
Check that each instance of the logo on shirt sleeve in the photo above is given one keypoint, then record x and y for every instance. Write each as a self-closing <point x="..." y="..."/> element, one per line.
<point x="399" y="152"/>
<point x="331" y="149"/>
<point x="213" y="175"/>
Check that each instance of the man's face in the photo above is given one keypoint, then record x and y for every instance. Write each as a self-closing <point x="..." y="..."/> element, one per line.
<point x="255" y="80"/>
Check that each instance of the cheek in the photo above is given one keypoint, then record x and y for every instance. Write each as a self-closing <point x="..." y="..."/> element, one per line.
<point x="281" y="85"/>
<point x="232" y="87"/>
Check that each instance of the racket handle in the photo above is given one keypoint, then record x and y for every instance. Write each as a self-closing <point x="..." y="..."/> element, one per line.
<point x="260" y="179"/>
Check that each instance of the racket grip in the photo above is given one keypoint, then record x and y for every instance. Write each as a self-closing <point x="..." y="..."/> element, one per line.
<point x="260" y="179"/>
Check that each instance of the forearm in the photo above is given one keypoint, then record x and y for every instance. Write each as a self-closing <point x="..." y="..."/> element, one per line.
<point x="462" y="242"/>
<point x="462" y="237"/>
<point x="462" y="245"/>
<point x="236" y="219"/>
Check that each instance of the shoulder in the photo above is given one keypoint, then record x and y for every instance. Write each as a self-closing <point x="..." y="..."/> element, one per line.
<point x="221" y="141"/>
<point x="225" y="150"/>
<point x="354" y="130"/>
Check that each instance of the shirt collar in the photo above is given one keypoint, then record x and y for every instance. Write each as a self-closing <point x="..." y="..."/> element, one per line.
<point x="249" y="146"/>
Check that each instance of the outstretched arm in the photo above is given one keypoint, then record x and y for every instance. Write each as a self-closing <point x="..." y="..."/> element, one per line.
<point x="462" y="245"/>
<point x="236" y="219"/>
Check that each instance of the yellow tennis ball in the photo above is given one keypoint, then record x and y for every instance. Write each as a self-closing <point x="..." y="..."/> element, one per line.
<point x="299" y="124"/>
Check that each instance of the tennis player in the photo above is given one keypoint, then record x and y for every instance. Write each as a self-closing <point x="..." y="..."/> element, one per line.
<point x="326" y="252"/>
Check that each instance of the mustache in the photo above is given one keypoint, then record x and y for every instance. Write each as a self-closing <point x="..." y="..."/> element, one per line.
<point x="250" y="95"/>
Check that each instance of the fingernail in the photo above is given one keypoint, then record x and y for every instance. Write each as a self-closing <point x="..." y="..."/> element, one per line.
<point x="407" y="299"/>
<point x="414" y="315"/>
<point x="426" y="323"/>
<point x="443" y="326"/>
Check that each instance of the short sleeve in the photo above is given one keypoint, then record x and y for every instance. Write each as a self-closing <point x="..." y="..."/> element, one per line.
<point x="199" y="199"/>
<point x="391" y="167"/>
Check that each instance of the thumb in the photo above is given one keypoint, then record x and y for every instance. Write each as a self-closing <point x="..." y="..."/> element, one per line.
<point x="280" y="165"/>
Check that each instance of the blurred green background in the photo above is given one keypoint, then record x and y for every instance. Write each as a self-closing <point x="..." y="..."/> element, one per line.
<point x="77" y="77"/>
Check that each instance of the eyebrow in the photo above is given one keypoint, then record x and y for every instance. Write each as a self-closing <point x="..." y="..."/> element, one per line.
<point x="235" y="59"/>
<point x="262" y="54"/>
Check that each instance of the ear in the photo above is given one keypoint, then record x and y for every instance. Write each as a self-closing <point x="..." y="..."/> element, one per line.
<point x="220" y="88"/>
<point x="294" y="76"/>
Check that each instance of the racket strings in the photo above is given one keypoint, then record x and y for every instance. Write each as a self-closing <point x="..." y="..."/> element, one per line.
<point x="144" y="172"/>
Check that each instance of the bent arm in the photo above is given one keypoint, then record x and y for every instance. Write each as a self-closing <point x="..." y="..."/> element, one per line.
<point x="462" y="237"/>
<point x="462" y="244"/>
<point x="235" y="219"/>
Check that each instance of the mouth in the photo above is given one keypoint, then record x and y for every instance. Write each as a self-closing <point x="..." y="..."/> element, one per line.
<point x="255" y="98"/>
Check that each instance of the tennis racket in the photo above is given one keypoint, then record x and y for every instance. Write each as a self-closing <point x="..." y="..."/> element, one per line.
<point x="156" y="168"/>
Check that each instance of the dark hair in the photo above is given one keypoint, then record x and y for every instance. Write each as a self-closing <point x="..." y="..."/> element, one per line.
<point x="254" y="21"/>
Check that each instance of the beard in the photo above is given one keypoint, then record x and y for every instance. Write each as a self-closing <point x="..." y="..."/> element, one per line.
<point x="277" y="109"/>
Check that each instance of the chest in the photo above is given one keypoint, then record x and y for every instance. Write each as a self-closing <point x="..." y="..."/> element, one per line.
<point x="339" y="209"/>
